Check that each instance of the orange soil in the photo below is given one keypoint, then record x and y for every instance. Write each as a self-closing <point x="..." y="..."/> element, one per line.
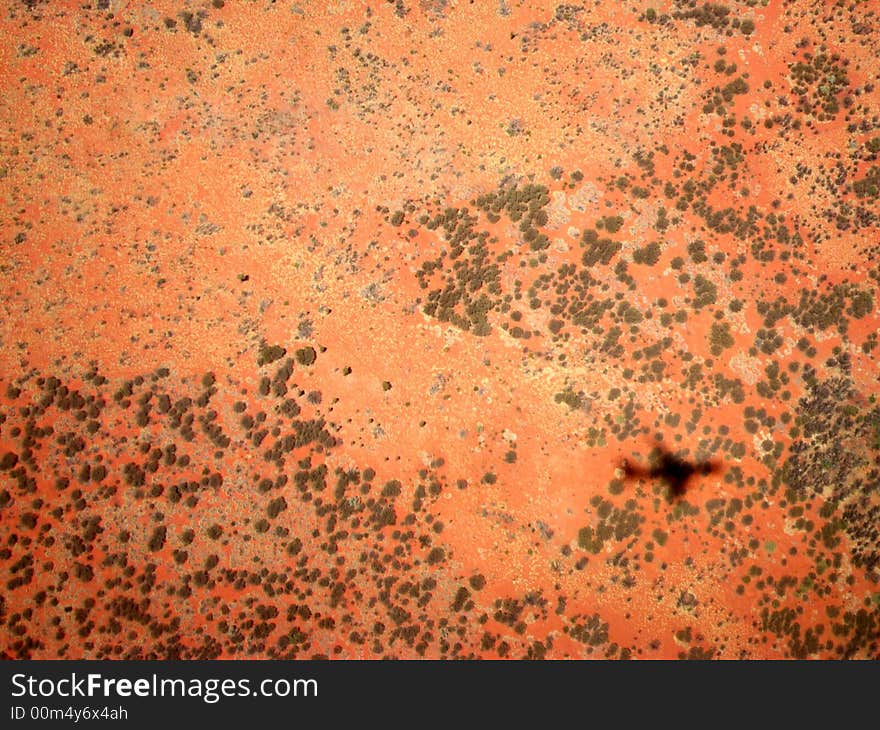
<point x="187" y="184"/>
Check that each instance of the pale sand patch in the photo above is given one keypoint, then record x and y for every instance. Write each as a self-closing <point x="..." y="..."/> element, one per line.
<point x="747" y="368"/>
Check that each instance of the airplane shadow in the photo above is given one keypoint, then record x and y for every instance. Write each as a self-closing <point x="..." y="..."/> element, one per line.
<point x="674" y="471"/>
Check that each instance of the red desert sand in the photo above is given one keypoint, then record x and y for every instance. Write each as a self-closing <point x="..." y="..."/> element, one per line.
<point x="439" y="329"/>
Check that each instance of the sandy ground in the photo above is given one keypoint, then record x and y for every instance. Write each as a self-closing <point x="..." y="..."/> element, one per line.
<point x="328" y="328"/>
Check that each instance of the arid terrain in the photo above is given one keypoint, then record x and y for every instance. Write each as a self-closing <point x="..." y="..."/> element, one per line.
<point x="443" y="329"/>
